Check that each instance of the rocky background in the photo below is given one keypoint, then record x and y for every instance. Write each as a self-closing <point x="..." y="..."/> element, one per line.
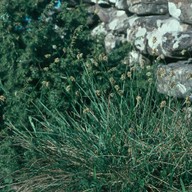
<point x="158" y="28"/>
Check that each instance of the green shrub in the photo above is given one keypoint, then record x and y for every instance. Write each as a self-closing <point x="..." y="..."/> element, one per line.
<point x="40" y="58"/>
<point x="49" y="58"/>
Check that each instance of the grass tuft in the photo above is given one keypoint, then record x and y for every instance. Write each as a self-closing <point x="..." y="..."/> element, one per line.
<point x="114" y="143"/>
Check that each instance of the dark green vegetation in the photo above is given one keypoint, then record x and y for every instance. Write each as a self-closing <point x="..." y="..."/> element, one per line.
<point x="75" y="119"/>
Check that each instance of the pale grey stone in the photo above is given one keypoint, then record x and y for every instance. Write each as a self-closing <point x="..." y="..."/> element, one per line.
<point x="182" y="10"/>
<point x="119" y="22"/>
<point x="148" y="7"/>
<point x="105" y="14"/>
<point x="111" y="41"/>
<point x="175" y="79"/>
<point x="160" y="35"/>
<point x="120" y="4"/>
<point x="136" y="59"/>
<point x="99" y="30"/>
<point x="100" y="1"/>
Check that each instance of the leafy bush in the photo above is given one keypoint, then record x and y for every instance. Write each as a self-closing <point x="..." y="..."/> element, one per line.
<point x="49" y="57"/>
<point x="41" y="56"/>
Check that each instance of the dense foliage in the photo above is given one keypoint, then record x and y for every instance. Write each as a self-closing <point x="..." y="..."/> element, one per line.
<point x="39" y="53"/>
<point x="76" y="119"/>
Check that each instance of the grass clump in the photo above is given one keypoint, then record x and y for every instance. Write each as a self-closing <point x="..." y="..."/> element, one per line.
<point x="123" y="142"/>
<point x="76" y="119"/>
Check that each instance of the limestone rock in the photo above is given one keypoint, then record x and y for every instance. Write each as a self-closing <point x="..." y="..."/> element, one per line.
<point x="160" y="35"/>
<point x="99" y="30"/>
<point x="119" y="22"/>
<point x="120" y="4"/>
<point x="148" y="7"/>
<point x="99" y="1"/>
<point x="139" y="28"/>
<point x="177" y="44"/>
<point x="112" y="41"/>
<point x="175" y="79"/>
<point x="182" y="10"/>
<point x="136" y="59"/>
<point x="105" y="14"/>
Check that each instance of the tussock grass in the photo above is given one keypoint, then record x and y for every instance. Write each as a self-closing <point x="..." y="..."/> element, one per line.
<point x="115" y="143"/>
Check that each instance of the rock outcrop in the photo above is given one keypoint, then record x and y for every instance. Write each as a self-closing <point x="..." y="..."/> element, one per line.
<point x="158" y="28"/>
<point x="147" y="7"/>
